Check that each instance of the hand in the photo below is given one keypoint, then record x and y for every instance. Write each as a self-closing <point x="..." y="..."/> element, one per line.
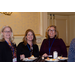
<point x="22" y="56"/>
<point x="45" y="55"/>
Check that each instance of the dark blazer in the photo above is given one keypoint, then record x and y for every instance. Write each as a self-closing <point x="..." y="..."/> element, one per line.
<point x="23" y="49"/>
<point x="5" y="52"/>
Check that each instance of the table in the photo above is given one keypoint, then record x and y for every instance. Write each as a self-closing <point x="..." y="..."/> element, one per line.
<point x="39" y="59"/>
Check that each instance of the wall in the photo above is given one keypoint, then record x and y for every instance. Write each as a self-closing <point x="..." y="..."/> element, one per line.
<point x="42" y="29"/>
<point x="38" y="21"/>
<point x="21" y="21"/>
<point x="69" y="21"/>
<point x="66" y="26"/>
<point x="71" y="28"/>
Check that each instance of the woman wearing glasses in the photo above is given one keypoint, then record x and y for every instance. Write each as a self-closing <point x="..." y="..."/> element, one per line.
<point x="52" y="43"/>
<point x="7" y="47"/>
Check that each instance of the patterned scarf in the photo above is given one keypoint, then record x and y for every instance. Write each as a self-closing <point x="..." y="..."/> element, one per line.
<point x="13" y="50"/>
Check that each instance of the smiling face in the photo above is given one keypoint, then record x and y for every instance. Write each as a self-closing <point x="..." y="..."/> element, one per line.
<point x="29" y="36"/>
<point x="51" y="32"/>
<point x="6" y="33"/>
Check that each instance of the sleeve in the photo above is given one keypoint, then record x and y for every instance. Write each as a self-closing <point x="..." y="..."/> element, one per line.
<point x="42" y="48"/>
<point x="19" y="48"/>
<point x="71" y="54"/>
<point x="1" y="52"/>
<point x="63" y="48"/>
<point x="36" y="54"/>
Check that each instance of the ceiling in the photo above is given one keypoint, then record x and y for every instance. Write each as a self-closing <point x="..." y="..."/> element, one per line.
<point x="62" y="13"/>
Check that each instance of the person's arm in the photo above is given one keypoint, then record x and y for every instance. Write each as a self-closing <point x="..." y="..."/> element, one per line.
<point x="36" y="53"/>
<point x="19" y="52"/>
<point x="1" y="52"/>
<point x="63" y="48"/>
<point x="42" y="49"/>
<point x="71" y="54"/>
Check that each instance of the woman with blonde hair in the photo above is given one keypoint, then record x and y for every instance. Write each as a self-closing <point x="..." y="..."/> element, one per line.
<point x="28" y="47"/>
<point x="7" y="47"/>
<point x="52" y="43"/>
<point x="2" y="36"/>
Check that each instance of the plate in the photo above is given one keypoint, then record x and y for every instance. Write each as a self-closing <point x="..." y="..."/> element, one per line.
<point x="55" y="60"/>
<point x="29" y="59"/>
<point x="63" y="58"/>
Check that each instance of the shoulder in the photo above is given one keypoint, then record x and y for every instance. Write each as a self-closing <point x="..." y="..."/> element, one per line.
<point x="35" y="45"/>
<point x="2" y="43"/>
<point x="60" y="40"/>
<point x="21" y="43"/>
<point x="45" y="40"/>
<point x="72" y="42"/>
<point x="72" y="45"/>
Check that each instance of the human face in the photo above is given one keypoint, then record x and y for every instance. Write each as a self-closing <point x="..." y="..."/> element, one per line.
<point x="29" y="36"/>
<point x="7" y="33"/>
<point x="51" y="32"/>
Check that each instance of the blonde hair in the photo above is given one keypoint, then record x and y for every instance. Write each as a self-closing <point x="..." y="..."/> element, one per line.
<point x="47" y="30"/>
<point x="25" y="39"/>
<point x="1" y="35"/>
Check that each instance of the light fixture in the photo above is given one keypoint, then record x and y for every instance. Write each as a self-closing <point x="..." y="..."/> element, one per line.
<point x="6" y="13"/>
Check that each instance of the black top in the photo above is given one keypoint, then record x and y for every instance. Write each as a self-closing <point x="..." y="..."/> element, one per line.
<point x="23" y="49"/>
<point x="5" y="52"/>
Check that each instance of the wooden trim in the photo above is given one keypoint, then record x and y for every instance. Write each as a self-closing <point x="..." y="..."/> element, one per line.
<point x="24" y="34"/>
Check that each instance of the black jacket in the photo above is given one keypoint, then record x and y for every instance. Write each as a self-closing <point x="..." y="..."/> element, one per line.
<point x="23" y="49"/>
<point x="5" y="52"/>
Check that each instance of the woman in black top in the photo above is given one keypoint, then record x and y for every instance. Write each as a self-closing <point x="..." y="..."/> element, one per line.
<point x="28" y="47"/>
<point x="7" y="47"/>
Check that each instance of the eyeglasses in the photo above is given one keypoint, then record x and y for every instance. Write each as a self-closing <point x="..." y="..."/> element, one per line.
<point x="51" y="30"/>
<point x="7" y="31"/>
